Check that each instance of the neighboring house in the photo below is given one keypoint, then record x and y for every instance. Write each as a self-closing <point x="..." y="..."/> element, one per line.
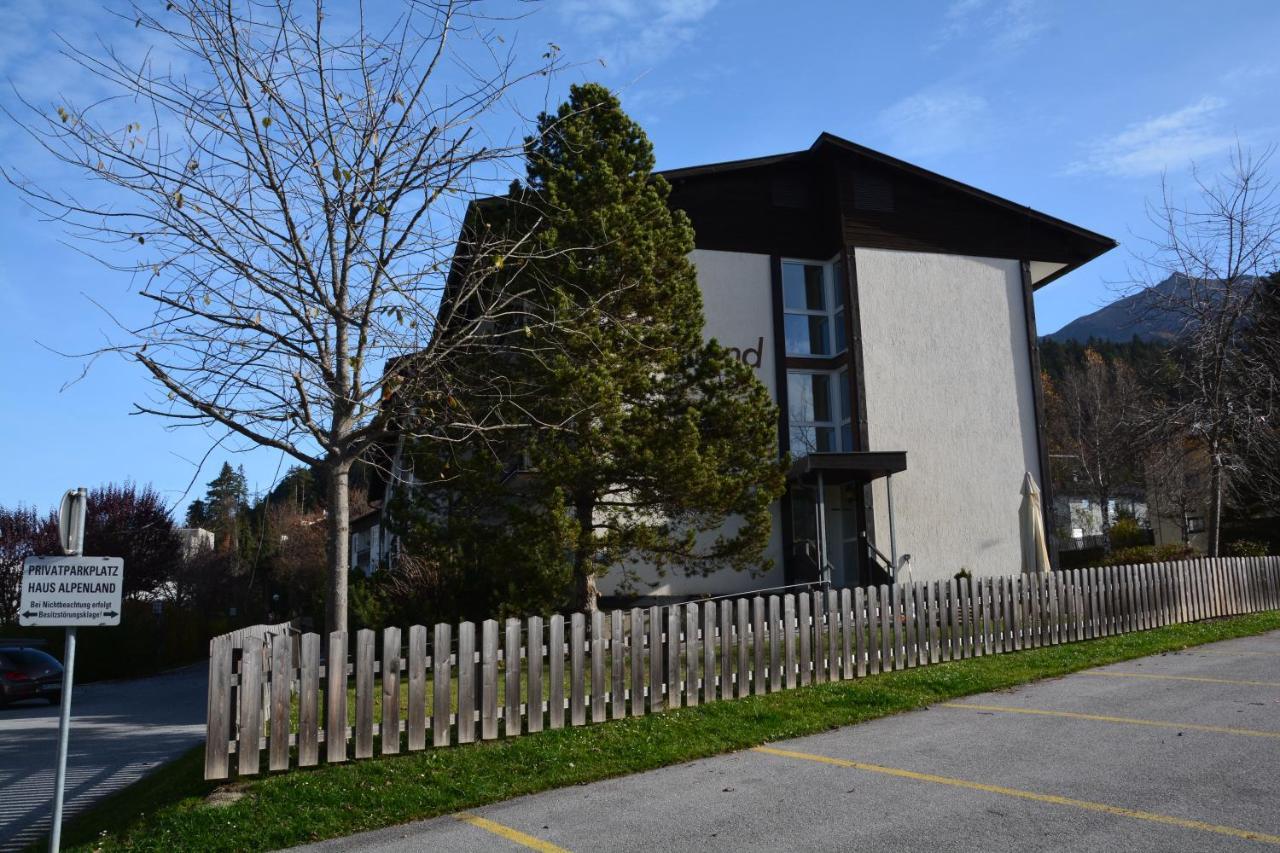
<point x="1178" y="479"/>
<point x="370" y="547"/>
<point x="889" y="312"/>
<point x="195" y="540"/>
<point x="1079" y="518"/>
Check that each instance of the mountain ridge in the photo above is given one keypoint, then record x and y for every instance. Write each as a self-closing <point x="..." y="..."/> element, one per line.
<point x="1135" y="315"/>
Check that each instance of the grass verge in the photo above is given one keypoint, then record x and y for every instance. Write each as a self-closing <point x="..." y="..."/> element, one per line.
<point x="168" y="810"/>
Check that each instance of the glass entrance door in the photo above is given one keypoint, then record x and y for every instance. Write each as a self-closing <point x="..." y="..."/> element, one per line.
<point x="805" y="566"/>
<point x="842" y="534"/>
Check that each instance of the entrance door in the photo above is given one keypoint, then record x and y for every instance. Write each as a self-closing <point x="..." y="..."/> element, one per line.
<point x="842" y="534"/>
<point x="805" y="567"/>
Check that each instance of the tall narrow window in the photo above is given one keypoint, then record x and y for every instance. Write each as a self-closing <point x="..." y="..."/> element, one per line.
<point x="810" y="410"/>
<point x="813" y="299"/>
<point x="838" y="287"/>
<point x="846" y="411"/>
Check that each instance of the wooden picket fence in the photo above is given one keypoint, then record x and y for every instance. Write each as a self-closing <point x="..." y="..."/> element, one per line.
<point x="459" y="685"/>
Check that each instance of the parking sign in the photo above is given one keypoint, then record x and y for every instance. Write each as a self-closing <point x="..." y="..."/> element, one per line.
<point x="71" y="591"/>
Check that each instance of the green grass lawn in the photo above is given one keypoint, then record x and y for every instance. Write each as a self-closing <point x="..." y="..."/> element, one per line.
<point x="168" y="810"/>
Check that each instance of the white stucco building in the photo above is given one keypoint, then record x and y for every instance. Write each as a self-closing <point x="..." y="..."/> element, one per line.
<point x="889" y="312"/>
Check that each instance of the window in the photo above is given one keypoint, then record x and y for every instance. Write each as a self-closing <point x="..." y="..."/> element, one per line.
<point x="846" y="411"/>
<point x="814" y="304"/>
<point x="818" y="412"/>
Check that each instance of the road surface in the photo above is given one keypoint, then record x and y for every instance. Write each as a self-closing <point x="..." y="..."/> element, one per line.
<point x="120" y="731"/>
<point x="1172" y="752"/>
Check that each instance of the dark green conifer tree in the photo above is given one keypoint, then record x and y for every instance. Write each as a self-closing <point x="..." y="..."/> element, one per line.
<point x="645" y="445"/>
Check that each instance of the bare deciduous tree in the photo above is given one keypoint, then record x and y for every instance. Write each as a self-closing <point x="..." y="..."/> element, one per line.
<point x="1177" y="473"/>
<point x="288" y="196"/>
<point x="1220" y="247"/>
<point x="1095" y="412"/>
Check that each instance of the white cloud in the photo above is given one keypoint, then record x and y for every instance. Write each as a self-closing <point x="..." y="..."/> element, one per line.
<point x="934" y="122"/>
<point x="1250" y="73"/>
<point x="1169" y="141"/>
<point x="640" y="32"/>
<point x="1005" y="25"/>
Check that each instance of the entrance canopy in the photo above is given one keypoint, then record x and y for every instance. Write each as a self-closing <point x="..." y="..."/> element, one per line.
<point x="814" y="473"/>
<point x="837" y="469"/>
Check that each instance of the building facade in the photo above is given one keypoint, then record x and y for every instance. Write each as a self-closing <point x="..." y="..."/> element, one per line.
<point x="889" y="312"/>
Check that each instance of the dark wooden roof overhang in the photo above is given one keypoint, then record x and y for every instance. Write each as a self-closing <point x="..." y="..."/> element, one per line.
<point x="809" y="203"/>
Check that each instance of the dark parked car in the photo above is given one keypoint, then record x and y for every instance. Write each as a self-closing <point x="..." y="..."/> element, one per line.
<point x="28" y="673"/>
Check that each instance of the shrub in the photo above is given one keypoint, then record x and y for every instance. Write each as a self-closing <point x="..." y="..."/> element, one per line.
<point x="1149" y="554"/>
<point x="1126" y="533"/>
<point x="1247" y="548"/>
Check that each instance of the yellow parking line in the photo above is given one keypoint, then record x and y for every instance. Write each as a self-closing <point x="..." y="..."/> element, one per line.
<point x="1053" y="799"/>
<point x="510" y="834"/>
<point x="1180" y="678"/>
<point x="1072" y="715"/>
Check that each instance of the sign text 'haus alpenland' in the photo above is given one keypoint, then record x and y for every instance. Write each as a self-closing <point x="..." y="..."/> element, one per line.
<point x="71" y="591"/>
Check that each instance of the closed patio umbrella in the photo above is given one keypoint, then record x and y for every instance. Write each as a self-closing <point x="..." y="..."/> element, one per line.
<point x="1035" y="547"/>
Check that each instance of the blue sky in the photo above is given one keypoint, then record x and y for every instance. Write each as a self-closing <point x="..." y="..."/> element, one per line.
<point x="1074" y="108"/>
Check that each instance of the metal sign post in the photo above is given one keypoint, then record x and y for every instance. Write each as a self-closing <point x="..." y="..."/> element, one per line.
<point x="71" y="518"/>
<point x="69" y="591"/>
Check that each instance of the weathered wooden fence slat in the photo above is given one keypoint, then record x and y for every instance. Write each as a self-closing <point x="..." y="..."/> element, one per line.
<point x="249" y="746"/>
<point x="281" y="682"/>
<point x="656" y="685"/>
<point x="805" y="630"/>
<point x="846" y="637"/>
<point x="763" y="644"/>
<point x="692" y="682"/>
<point x="896" y="617"/>
<point x="775" y="643"/>
<point x="390" y="729"/>
<point x="726" y="648"/>
<point x="466" y="682"/>
<point x="758" y="673"/>
<point x="534" y="655"/>
<point x="617" y="665"/>
<point x="789" y="638"/>
<point x="218" y="714"/>
<point x="885" y="627"/>
<point x="364" y="693"/>
<point x="673" y="657"/>
<point x="308" y="700"/>
<point x="511" y="723"/>
<point x="335" y="695"/>
<point x="708" y="651"/>
<point x="441" y="683"/>
<point x="860" y="631"/>
<point x="598" y="657"/>
<point x="577" y="669"/>
<point x="637" y="662"/>
<point x="489" y="679"/>
<point x="833" y="635"/>
<point x="817" y="636"/>
<point x="417" y="677"/>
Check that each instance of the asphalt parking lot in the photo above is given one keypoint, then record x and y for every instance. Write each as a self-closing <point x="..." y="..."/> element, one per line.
<point x="120" y="731"/>
<point x="1172" y="752"/>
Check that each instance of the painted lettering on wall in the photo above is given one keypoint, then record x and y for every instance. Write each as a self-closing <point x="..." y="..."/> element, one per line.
<point x="749" y="356"/>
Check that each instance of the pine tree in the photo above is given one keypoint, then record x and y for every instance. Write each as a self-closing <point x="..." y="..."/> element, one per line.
<point x="653" y="447"/>
<point x="227" y="496"/>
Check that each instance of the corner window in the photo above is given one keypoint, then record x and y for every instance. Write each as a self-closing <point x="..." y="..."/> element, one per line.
<point x="814" y="307"/>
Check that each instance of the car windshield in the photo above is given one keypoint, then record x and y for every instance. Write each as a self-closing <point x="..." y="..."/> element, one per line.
<point x="29" y="658"/>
